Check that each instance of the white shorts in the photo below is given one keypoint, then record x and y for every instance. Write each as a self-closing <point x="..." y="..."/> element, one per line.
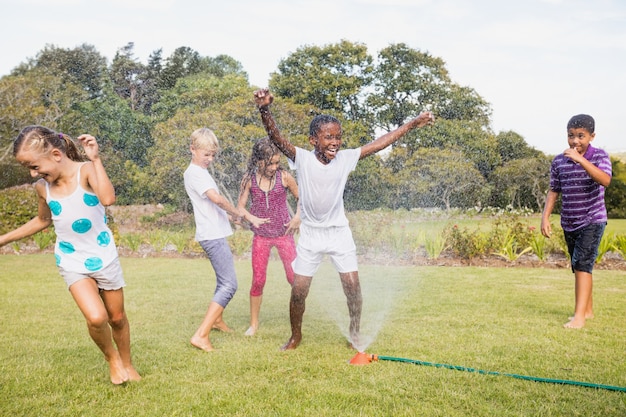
<point x="108" y="278"/>
<point x="314" y="243"/>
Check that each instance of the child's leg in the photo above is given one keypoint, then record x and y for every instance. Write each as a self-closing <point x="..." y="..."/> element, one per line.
<point x="255" y="309"/>
<point x="286" y="247"/>
<point x="114" y="303"/>
<point x="297" y="304"/>
<point x="261" y="248"/>
<point x="221" y="259"/>
<point x="200" y="339"/>
<point x="86" y="295"/>
<point x="352" y="290"/>
<point x="583" y="307"/>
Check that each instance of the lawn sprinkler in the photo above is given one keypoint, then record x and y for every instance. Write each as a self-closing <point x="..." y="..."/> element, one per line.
<point x="363" y="358"/>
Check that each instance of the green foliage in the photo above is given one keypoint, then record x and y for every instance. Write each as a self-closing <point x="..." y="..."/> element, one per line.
<point x="538" y="245"/>
<point x="435" y="245"/>
<point x="45" y="238"/>
<point x="607" y="243"/>
<point x="143" y="114"/>
<point x="17" y="206"/>
<point x="132" y="240"/>
<point x="240" y="241"/>
<point x="331" y="77"/>
<point x="465" y="243"/>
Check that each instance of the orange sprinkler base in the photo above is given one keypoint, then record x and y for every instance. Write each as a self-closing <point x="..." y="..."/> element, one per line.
<point x="363" y="358"/>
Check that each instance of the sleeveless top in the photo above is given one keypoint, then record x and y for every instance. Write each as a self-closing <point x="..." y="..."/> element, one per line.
<point x="271" y="204"/>
<point x="84" y="242"/>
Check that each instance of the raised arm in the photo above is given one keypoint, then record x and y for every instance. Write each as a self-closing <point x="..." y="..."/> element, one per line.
<point x="263" y="98"/>
<point x="96" y="175"/>
<point x="425" y="118"/>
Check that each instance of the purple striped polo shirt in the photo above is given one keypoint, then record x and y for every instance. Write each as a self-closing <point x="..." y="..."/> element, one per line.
<point x="582" y="197"/>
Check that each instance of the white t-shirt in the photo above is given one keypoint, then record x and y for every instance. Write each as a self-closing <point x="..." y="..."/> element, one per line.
<point x="211" y="220"/>
<point x="321" y="187"/>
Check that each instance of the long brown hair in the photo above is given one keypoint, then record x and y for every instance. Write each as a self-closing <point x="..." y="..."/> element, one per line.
<point x="263" y="150"/>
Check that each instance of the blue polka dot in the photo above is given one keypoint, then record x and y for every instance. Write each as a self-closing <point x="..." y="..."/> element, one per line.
<point x="93" y="264"/>
<point x="66" y="247"/>
<point x="91" y="200"/>
<point x="81" y="225"/>
<point x="55" y="207"/>
<point x="104" y="239"/>
<point x="57" y="259"/>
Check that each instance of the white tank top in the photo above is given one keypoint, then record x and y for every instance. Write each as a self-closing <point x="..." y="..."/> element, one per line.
<point x="84" y="241"/>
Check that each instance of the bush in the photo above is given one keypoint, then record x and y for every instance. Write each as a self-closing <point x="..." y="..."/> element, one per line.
<point x="18" y="205"/>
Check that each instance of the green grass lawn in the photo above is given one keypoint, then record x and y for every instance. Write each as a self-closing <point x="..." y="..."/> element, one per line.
<point x="507" y="320"/>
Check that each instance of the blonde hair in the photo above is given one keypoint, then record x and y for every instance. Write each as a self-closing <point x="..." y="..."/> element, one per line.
<point x="42" y="140"/>
<point x="204" y="138"/>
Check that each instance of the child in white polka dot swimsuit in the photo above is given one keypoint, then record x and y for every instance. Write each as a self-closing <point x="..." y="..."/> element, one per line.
<point x="72" y="194"/>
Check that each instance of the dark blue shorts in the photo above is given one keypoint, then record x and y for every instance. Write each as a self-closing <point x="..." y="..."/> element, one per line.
<point x="582" y="245"/>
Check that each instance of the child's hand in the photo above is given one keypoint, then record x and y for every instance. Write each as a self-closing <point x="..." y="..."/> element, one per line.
<point x="573" y="154"/>
<point x="90" y="145"/>
<point x="293" y="226"/>
<point x="257" y="221"/>
<point x="425" y="118"/>
<point x="263" y="97"/>
<point x="546" y="228"/>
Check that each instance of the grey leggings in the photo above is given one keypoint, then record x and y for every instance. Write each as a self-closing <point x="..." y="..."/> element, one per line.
<point x="221" y="259"/>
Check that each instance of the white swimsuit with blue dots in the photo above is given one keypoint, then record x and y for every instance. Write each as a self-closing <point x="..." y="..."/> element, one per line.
<point x="84" y="241"/>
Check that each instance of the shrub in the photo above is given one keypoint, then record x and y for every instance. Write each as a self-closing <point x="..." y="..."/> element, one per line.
<point x="466" y="244"/>
<point x="18" y="205"/>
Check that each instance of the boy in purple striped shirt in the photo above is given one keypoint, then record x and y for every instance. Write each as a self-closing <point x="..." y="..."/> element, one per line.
<point x="580" y="174"/>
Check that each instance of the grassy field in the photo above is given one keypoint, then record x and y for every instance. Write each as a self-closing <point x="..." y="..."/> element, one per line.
<point x="506" y="320"/>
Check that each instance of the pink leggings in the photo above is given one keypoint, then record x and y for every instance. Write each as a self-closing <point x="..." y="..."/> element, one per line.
<point x="261" y="247"/>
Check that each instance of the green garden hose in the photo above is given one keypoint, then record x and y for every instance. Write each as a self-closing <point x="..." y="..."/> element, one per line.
<point x="527" y="378"/>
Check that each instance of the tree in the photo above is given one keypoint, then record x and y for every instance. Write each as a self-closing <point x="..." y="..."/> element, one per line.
<point x="521" y="183"/>
<point x="511" y="145"/>
<point x="82" y="66"/>
<point x="183" y="62"/>
<point x="405" y="82"/>
<point x="615" y="193"/>
<point x="125" y="73"/>
<point x="331" y="77"/>
<point x="436" y="178"/>
<point x="33" y="98"/>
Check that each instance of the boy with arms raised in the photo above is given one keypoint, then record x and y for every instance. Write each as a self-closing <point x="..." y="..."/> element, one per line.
<point x="322" y="176"/>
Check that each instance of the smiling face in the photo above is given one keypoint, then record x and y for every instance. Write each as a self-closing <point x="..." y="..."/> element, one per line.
<point x="579" y="138"/>
<point x="201" y="156"/>
<point x="269" y="168"/>
<point x="43" y="165"/>
<point x="327" y="142"/>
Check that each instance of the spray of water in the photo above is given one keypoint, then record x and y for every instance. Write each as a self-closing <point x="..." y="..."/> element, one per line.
<point x="378" y="293"/>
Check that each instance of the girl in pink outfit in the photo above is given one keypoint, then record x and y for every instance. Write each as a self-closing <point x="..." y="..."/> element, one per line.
<point x="266" y="185"/>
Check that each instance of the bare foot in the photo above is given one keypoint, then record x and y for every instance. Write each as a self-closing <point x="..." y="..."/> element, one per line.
<point x="133" y="375"/>
<point x="588" y="316"/>
<point x="574" y="324"/>
<point x="202" y="344"/>
<point x="222" y="327"/>
<point x="251" y="331"/>
<point x="291" y="344"/>
<point x="117" y="372"/>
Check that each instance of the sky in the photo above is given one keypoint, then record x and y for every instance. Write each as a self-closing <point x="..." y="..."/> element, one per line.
<point x="537" y="62"/>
